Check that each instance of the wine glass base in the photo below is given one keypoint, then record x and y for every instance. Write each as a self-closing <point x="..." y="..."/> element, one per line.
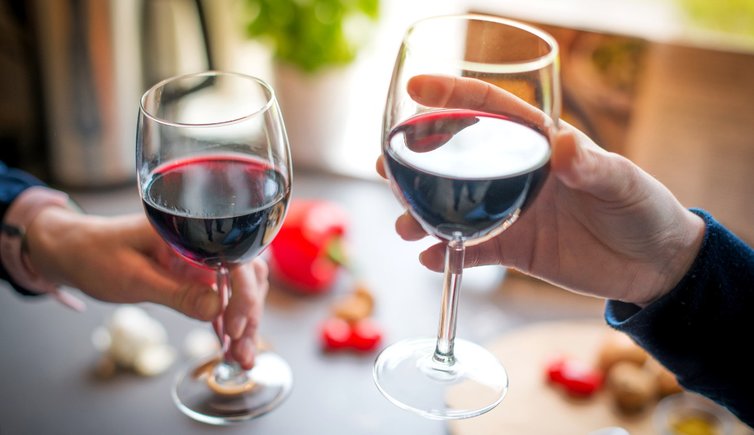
<point x="408" y="375"/>
<point x="270" y="382"/>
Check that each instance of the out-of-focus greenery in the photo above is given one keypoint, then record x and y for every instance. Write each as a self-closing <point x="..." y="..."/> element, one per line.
<point x="730" y="16"/>
<point x="618" y="60"/>
<point x="311" y="34"/>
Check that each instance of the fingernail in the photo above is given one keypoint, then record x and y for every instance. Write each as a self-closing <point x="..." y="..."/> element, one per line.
<point x="422" y="258"/>
<point x="245" y="352"/>
<point x="208" y="305"/>
<point x="430" y="91"/>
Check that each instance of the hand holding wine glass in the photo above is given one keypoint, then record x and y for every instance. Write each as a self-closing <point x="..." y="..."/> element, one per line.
<point x="465" y="168"/>
<point x="125" y="261"/>
<point x="574" y="222"/>
<point x="214" y="175"/>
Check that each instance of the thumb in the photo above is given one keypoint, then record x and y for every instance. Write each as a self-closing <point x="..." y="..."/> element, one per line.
<point x="160" y="276"/>
<point x="570" y="161"/>
<point x="191" y="298"/>
<point x="196" y="301"/>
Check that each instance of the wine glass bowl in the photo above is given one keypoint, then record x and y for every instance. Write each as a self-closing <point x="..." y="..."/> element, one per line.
<point x="214" y="175"/>
<point x="471" y="109"/>
<point x="460" y="191"/>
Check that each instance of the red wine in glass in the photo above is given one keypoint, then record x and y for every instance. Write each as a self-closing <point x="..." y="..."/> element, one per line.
<point x="216" y="210"/>
<point x="465" y="173"/>
<point x="214" y="172"/>
<point x="472" y="104"/>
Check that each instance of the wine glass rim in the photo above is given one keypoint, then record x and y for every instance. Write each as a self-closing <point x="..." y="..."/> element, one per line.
<point x="210" y="73"/>
<point x="500" y="67"/>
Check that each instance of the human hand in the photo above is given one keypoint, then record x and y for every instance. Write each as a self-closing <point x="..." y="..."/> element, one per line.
<point x="600" y="225"/>
<point x="123" y="260"/>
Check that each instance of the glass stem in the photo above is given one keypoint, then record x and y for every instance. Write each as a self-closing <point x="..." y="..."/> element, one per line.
<point x="223" y="289"/>
<point x="228" y="371"/>
<point x="446" y="334"/>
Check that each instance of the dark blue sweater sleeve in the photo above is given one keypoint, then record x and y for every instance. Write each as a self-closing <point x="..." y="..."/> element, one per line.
<point x="703" y="328"/>
<point x="12" y="183"/>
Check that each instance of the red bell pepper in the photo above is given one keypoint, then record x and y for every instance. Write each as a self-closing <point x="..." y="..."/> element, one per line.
<point x="307" y="253"/>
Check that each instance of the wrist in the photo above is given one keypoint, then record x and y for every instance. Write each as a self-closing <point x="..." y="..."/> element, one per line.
<point x="683" y="251"/>
<point x="50" y="237"/>
<point x="17" y="226"/>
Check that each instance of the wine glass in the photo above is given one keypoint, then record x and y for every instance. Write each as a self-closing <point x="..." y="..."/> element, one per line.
<point x="214" y="175"/>
<point x="465" y="167"/>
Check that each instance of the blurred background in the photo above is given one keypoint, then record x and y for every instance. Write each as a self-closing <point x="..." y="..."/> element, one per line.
<point x="665" y="82"/>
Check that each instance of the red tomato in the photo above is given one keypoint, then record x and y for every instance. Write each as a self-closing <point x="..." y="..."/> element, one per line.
<point x="365" y="335"/>
<point x="576" y="378"/>
<point x="335" y="334"/>
<point x="555" y="370"/>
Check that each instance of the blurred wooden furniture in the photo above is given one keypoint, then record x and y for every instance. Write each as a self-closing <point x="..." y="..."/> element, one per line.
<point x="692" y="128"/>
<point x="659" y="21"/>
<point x="689" y="119"/>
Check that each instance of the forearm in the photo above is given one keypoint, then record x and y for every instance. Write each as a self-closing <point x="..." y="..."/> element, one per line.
<point x="698" y="328"/>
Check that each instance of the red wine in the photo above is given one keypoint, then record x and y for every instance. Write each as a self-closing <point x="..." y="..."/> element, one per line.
<point x="466" y="173"/>
<point x="216" y="210"/>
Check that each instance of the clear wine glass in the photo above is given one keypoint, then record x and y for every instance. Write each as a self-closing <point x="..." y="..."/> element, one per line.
<point x="465" y="163"/>
<point x="214" y="175"/>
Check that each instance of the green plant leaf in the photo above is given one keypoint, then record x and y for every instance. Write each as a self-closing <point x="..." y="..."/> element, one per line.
<point x="308" y="34"/>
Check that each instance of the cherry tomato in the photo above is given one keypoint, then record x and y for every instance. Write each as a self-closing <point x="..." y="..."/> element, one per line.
<point x="576" y="378"/>
<point x="365" y="335"/>
<point x="335" y="334"/>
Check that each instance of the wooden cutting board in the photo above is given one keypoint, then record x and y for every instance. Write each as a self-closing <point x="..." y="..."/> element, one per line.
<point x="532" y="406"/>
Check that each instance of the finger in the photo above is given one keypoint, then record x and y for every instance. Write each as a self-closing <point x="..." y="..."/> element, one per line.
<point x="590" y="169"/>
<point x="244" y="310"/>
<point x="149" y="277"/>
<point x="244" y="307"/>
<point x="380" y="166"/>
<point x="474" y="94"/>
<point x="484" y="254"/>
<point x="195" y="300"/>
<point x="424" y="137"/>
<point x="262" y="273"/>
<point x="408" y="228"/>
<point x="433" y="258"/>
<point x="183" y="286"/>
<point x="243" y="351"/>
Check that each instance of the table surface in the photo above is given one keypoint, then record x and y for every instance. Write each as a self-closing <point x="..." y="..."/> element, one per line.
<point x="47" y="353"/>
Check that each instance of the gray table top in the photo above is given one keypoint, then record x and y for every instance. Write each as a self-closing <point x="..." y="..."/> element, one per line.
<point x="47" y="354"/>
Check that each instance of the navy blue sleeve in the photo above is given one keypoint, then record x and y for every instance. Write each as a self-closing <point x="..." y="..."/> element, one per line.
<point x="702" y="329"/>
<point x="12" y="183"/>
